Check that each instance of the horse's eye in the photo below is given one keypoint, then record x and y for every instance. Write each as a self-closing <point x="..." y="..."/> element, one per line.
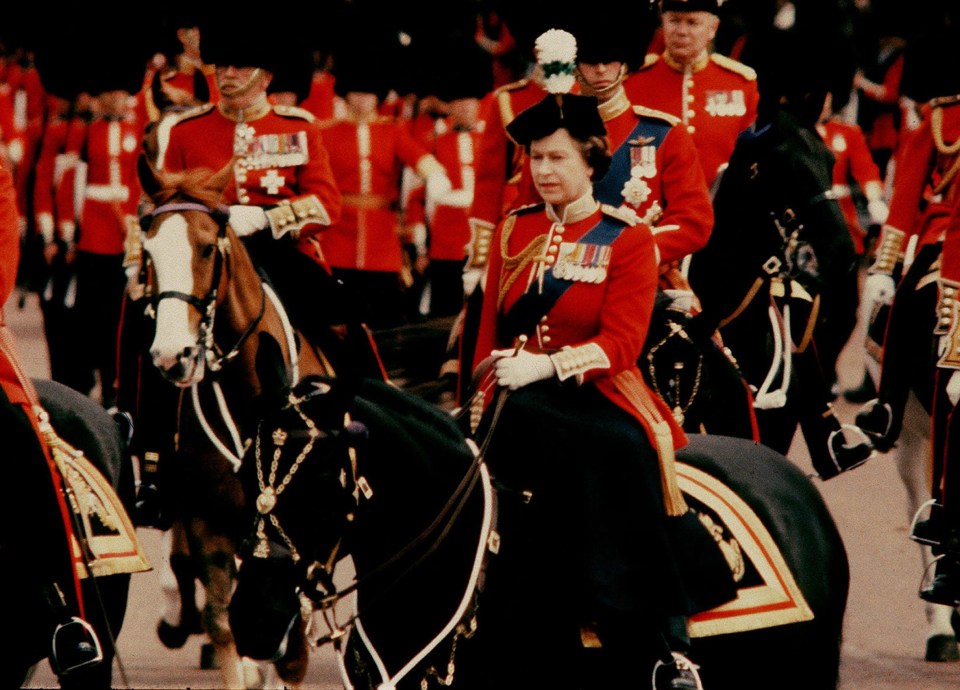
<point x="207" y="251"/>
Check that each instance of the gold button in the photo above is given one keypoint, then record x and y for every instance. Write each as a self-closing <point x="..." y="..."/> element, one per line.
<point x="691" y="129"/>
<point x="544" y="328"/>
<point x="543" y="319"/>
<point x="557" y="239"/>
<point x="546" y="338"/>
<point x="691" y="113"/>
<point x="552" y="249"/>
<point x="551" y="260"/>
<point x="691" y="98"/>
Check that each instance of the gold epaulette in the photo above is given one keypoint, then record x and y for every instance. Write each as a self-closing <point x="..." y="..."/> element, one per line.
<point x="946" y="306"/>
<point x="192" y="113"/>
<point x="526" y="208"/>
<point x="944" y="100"/>
<point x="627" y="215"/>
<point x="644" y="111"/>
<point x="888" y="250"/>
<point x="512" y="86"/>
<point x="650" y="60"/>
<point x="732" y="65"/>
<point x="293" y="111"/>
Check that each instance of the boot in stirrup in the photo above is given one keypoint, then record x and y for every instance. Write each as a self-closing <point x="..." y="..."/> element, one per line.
<point x="930" y="530"/>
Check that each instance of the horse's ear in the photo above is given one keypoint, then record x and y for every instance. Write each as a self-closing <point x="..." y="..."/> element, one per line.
<point x="149" y="177"/>
<point x="220" y="179"/>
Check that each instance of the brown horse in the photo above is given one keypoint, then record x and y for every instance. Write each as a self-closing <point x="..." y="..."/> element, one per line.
<point x="215" y="321"/>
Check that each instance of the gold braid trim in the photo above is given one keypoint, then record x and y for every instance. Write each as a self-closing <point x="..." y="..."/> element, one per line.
<point x="748" y="298"/>
<point x="951" y="355"/>
<point x="513" y="265"/>
<point x="945" y="149"/>
<point x="888" y="250"/>
<point x="811" y="323"/>
<point x="946" y="306"/>
<point x="575" y="361"/>
<point x="632" y="387"/>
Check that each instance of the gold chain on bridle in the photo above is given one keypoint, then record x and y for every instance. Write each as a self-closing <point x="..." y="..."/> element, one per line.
<point x="270" y="492"/>
<point x="679" y="411"/>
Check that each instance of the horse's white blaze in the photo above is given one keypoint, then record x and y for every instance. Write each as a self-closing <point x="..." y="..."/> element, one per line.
<point x="169" y="250"/>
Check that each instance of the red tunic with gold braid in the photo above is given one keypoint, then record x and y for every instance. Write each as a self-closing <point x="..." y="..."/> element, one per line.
<point x="715" y="99"/>
<point x="596" y="329"/>
<point x="367" y="159"/>
<point x="666" y="186"/>
<point x="279" y="160"/>
<point x="925" y="186"/>
<point x="852" y="164"/>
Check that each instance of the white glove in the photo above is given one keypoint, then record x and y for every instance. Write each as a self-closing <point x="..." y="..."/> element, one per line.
<point x="878" y="211"/>
<point x="472" y="277"/>
<point x="879" y="288"/>
<point x="438" y="186"/>
<point x="246" y="220"/>
<point x="515" y="371"/>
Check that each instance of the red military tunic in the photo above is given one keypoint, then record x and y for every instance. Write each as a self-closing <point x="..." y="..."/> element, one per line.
<point x="660" y="179"/>
<point x="321" y="101"/>
<point x="449" y="228"/>
<point x="49" y="172"/>
<point x="715" y="98"/>
<point x="367" y="159"/>
<point x="108" y="184"/>
<point x="853" y="164"/>
<point x="924" y="189"/>
<point x="281" y="161"/>
<point x="597" y="327"/>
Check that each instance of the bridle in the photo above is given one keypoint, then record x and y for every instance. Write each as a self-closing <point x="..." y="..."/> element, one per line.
<point x="214" y="357"/>
<point x="317" y="589"/>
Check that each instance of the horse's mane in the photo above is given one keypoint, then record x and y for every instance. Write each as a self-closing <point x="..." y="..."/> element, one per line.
<point x="194" y="184"/>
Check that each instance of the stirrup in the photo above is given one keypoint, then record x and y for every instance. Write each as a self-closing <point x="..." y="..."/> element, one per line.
<point x="75" y="646"/>
<point x="843" y="456"/>
<point x="685" y="674"/>
<point x="917" y="525"/>
<point x="880" y="438"/>
<point x="935" y="594"/>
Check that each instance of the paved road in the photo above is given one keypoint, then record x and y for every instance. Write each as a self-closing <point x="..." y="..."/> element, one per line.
<point x="884" y="628"/>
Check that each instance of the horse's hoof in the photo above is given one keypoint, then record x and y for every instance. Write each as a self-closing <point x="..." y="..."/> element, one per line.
<point x="172" y="637"/>
<point x="208" y="657"/>
<point x="942" y="648"/>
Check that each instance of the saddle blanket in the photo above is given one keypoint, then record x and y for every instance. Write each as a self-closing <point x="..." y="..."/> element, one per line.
<point x="767" y="594"/>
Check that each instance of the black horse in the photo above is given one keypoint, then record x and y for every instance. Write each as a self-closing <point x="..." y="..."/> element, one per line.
<point x="777" y="278"/>
<point x="86" y="426"/>
<point x="452" y="583"/>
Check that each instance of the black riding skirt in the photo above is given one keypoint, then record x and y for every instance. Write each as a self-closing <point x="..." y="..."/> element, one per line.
<point x="588" y="479"/>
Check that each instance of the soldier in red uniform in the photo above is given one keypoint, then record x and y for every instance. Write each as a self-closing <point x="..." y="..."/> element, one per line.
<point x="37" y="562"/>
<point x="283" y="197"/>
<point x="567" y="301"/>
<point x="103" y="174"/>
<point x="368" y="152"/>
<point x="924" y="191"/>
<point x="715" y="97"/>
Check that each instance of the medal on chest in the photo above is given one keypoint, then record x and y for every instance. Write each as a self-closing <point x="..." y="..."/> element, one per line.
<point x="582" y="262"/>
<point x="726" y="103"/>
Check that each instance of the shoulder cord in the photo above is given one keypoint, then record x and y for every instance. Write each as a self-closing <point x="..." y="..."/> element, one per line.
<point x="936" y="126"/>
<point x="513" y="265"/>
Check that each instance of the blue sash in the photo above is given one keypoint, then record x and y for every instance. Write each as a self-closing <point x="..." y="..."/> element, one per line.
<point x="609" y="190"/>
<point x="527" y="311"/>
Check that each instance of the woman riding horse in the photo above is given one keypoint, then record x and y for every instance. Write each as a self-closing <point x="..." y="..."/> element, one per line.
<point x="36" y="555"/>
<point x="567" y="302"/>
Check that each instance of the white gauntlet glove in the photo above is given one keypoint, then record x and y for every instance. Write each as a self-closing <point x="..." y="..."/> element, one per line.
<point x="515" y="371"/>
<point x="436" y="186"/>
<point x="879" y="288"/>
<point x="878" y="211"/>
<point x="246" y="220"/>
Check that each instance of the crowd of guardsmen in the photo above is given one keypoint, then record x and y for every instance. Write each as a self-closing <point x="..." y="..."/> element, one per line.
<point x="425" y="169"/>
